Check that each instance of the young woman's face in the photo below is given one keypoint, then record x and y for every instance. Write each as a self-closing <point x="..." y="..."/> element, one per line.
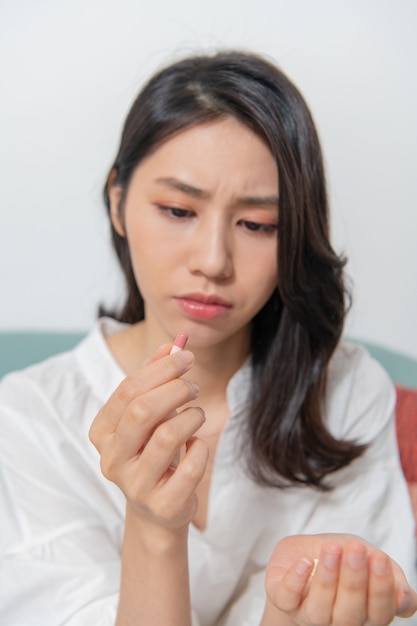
<point x="200" y="217"/>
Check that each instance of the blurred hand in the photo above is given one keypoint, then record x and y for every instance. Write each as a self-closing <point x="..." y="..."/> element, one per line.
<point x="353" y="583"/>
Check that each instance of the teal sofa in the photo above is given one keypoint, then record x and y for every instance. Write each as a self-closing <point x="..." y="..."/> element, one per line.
<point x="401" y="368"/>
<point x="21" y="348"/>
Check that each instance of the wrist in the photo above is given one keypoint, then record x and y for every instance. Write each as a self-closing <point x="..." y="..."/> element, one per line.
<point x="154" y="566"/>
<point x="153" y="538"/>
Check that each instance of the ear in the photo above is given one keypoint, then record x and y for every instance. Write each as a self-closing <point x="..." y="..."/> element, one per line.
<point x="115" y="193"/>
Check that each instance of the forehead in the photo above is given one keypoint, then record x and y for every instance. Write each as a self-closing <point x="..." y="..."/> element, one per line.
<point x="217" y="150"/>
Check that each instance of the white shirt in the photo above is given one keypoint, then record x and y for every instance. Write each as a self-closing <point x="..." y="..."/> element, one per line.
<point x="62" y="522"/>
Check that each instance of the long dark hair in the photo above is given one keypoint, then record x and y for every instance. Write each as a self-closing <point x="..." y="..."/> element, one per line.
<point x="294" y="335"/>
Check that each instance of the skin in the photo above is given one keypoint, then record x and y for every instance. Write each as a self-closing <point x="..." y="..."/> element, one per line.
<point x="202" y="233"/>
<point x="199" y="209"/>
<point x="354" y="583"/>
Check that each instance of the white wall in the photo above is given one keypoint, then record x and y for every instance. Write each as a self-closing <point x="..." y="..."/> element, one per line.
<point x="69" y="71"/>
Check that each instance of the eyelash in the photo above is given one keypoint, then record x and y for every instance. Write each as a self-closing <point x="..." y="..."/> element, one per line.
<point x="253" y="227"/>
<point x="175" y="212"/>
<point x="256" y="227"/>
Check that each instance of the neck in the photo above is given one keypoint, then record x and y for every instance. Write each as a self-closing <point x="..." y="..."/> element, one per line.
<point x="215" y="366"/>
<point x="215" y="363"/>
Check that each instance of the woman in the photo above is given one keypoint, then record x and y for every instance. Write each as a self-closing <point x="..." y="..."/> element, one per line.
<point x="219" y="218"/>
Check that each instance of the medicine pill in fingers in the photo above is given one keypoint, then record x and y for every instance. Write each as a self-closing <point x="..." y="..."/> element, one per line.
<point x="313" y="571"/>
<point x="179" y="343"/>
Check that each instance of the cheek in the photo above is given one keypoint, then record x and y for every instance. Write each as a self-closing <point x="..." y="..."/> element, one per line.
<point x="264" y="271"/>
<point x="140" y="250"/>
<point x="140" y="237"/>
<point x="153" y="257"/>
<point x="262" y="280"/>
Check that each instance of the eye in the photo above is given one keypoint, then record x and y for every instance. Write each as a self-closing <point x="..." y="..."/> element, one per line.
<point x="256" y="227"/>
<point x="175" y="212"/>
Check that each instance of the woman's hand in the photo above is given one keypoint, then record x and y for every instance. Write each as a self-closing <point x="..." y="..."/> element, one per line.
<point x="353" y="583"/>
<point x="139" y="435"/>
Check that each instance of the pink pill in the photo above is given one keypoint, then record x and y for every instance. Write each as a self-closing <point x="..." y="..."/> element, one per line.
<point x="179" y="343"/>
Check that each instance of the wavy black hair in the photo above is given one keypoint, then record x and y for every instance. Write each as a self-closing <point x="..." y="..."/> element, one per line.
<point x="293" y="337"/>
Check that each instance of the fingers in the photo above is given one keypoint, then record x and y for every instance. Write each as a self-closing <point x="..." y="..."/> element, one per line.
<point x="180" y="504"/>
<point x="139" y="433"/>
<point x="153" y="375"/>
<point x="163" y="350"/>
<point x="144" y="433"/>
<point x="381" y="591"/>
<point x="287" y="593"/>
<point x="407" y="604"/>
<point x="366" y="586"/>
<point x="323" y="589"/>
<point x="168" y="438"/>
<point x="315" y="595"/>
<point x="145" y="413"/>
<point x="406" y="597"/>
<point x="352" y="584"/>
<point x="152" y="487"/>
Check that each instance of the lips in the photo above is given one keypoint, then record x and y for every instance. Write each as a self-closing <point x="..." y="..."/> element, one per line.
<point x="203" y="306"/>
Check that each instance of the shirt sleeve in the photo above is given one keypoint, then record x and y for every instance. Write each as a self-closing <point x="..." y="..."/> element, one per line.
<point x="56" y="582"/>
<point x="59" y="563"/>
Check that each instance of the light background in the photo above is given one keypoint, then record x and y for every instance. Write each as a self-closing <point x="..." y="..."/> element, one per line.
<point x="69" y="71"/>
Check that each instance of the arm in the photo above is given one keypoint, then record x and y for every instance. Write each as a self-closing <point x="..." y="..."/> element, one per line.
<point x="138" y="445"/>
<point x="154" y="585"/>
<point x="353" y="583"/>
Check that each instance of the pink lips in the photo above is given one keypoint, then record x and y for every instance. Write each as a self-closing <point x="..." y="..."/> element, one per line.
<point x="203" y="306"/>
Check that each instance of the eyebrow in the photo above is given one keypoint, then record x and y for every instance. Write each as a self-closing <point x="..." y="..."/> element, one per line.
<point x="196" y="192"/>
<point x="175" y="183"/>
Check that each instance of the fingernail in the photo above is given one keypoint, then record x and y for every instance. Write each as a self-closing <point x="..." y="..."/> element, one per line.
<point x="379" y="564"/>
<point x="356" y="558"/>
<point x="186" y="356"/>
<point x="303" y="567"/>
<point x="331" y="559"/>
<point x="202" y="413"/>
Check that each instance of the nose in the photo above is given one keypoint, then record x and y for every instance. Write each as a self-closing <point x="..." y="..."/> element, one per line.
<point x="211" y="251"/>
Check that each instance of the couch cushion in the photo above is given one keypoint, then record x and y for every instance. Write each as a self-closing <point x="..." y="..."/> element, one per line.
<point x="406" y="422"/>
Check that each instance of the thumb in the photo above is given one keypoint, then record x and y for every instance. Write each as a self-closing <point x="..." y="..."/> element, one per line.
<point x="163" y="350"/>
